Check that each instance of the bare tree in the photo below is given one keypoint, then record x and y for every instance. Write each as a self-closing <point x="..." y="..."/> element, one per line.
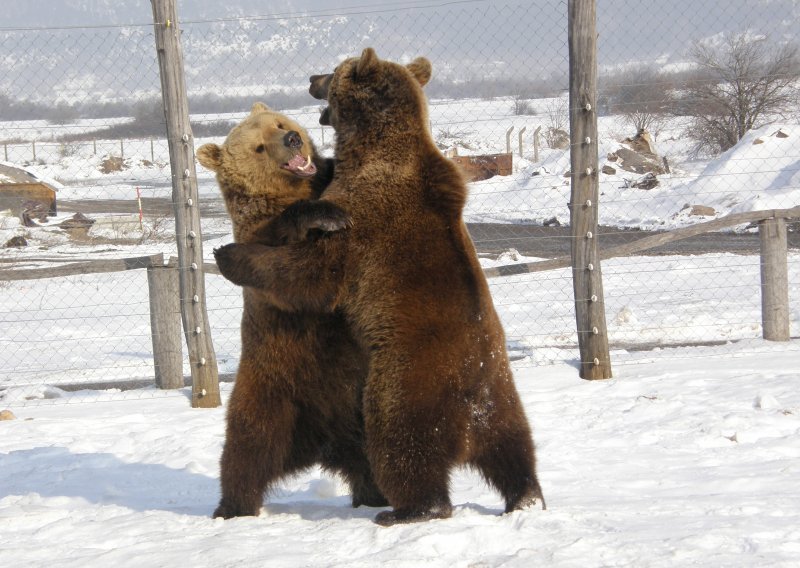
<point x="522" y="105"/>
<point x="743" y="82"/>
<point x="641" y="96"/>
<point x="557" y="133"/>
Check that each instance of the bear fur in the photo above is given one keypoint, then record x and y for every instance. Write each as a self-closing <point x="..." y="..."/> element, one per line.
<point x="440" y="391"/>
<point x="296" y="401"/>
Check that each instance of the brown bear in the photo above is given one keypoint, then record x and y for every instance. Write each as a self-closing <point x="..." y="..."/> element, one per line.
<point x="440" y="391"/>
<point x="297" y="396"/>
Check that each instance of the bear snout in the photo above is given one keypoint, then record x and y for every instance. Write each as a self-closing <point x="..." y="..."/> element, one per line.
<point x="320" y="85"/>
<point x="292" y="140"/>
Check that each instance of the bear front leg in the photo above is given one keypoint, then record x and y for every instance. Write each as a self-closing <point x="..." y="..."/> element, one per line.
<point x="305" y="276"/>
<point x="301" y="221"/>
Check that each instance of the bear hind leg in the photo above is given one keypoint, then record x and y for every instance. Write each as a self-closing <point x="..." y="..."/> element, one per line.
<point x="253" y="458"/>
<point x="350" y="460"/>
<point x="509" y="465"/>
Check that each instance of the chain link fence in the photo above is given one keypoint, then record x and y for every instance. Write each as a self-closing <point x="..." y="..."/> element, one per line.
<point x="81" y="121"/>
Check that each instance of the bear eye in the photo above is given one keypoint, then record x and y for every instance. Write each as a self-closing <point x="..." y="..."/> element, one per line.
<point x="260" y="148"/>
<point x="280" y="126"/>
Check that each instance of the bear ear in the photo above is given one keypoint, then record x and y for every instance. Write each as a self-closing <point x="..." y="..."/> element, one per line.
<point x="367" y="63"/>
<point x="210" y="156"/>
<point x="258" y="107"/>
<point x="421" y="69"/>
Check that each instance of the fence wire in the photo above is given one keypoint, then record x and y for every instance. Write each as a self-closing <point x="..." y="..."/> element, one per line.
<point x="81" y="119"/>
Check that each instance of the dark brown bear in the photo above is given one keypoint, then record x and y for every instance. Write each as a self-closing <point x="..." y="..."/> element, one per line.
<point x="297" y="396"/>
<point x="440" y="391"/>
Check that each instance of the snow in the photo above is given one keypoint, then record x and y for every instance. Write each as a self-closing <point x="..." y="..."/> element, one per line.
<point x="688" y="456"/>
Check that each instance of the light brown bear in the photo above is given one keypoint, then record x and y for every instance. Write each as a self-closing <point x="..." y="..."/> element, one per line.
<point x="440" y="391"/>
<point x="297" y="396"/>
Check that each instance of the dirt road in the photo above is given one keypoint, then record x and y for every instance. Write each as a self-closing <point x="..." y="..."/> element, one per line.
<point x="490" y="238"/>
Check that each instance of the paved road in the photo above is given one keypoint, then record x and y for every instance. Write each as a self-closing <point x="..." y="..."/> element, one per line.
<point x="490" y="238"/>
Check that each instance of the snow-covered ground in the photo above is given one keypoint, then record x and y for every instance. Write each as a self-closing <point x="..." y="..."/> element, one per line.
<point x="688" y="456"/>
<point x="650" y="301"/>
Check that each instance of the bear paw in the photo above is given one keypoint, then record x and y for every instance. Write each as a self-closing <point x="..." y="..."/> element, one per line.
<point x="398" y="516"/>
<point x="304" y="220"/>
<point x="224" y="511"/>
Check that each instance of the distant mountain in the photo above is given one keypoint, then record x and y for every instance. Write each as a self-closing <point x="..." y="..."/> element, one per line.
<point x="44" y="13"/>
<point x="252" y="47"/>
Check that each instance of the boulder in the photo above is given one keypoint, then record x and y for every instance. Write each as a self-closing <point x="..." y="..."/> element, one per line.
<point x="77" y="221"/>
<point x="637" y="163"/>
<point x="647" y="181"/>
<point x="16" y="242"/>
<point x="700" y="210"/>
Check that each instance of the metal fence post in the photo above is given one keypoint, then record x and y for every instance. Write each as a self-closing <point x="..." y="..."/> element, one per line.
<point x="587" y="277"/>
<point x="203" y="362"/>
<point x="508" y="139"/>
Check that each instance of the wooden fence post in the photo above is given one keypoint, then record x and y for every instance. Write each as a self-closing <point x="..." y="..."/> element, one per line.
<point x="165" y="325"/>
<point x="774" y="280"/>
<point x="586" y="274"/>
<point x="202" y="360"/>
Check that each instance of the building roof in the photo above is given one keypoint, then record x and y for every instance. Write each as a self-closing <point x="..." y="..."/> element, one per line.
<point x="12" y="175"/>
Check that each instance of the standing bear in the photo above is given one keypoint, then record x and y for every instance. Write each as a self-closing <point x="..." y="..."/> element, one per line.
<point x="296" y="401"/>
<point x="440" y="391"/>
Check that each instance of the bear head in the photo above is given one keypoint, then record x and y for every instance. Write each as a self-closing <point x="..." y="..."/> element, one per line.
<point x="265" y="145"/>
<point x="371" y="94"/>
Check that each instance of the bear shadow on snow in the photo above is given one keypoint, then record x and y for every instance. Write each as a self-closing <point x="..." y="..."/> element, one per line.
<point x="296" y="400"/>
<point x="439" y="390"/>
<point x="104" y="479"/>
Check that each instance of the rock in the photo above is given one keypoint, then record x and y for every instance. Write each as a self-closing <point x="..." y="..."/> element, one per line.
<point x="641" y="143"/>
<point x="77" y="221"/>
<point x="612" y="157"/>
<point x="552" y="222"/>
<point x="112" y="164"/>
<point x="780" y="133"/>
<point x="33" y="213"/>
<point x="701" y="211"/>
<point x="634" y="162"/>
<point x="647" y="181"/>
<point x="511" y="255"/>
<point x="7" y="415"/>
<point x="16" y="242"/>
<point x="608" y="170"/>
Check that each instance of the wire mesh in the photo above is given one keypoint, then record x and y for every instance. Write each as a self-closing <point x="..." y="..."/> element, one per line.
<point x="80" y="111"/>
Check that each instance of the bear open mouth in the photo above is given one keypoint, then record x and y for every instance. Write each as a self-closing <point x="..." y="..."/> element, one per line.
<point x="300" y="166"/>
